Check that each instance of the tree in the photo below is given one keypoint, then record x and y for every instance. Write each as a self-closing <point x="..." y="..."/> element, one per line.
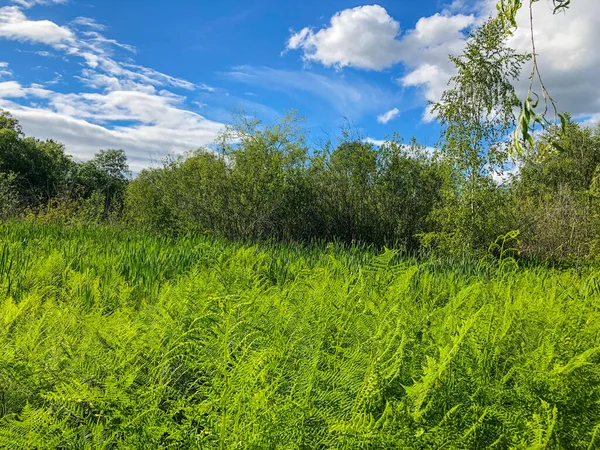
<point x="107" y="173"/>
<point x="476" y="113"/>
<point x="8" y="122"/>
<point x="351" y="190"/>
<point x="409" y="188"/>
<point x="41" y="168"/>
<point x="265" y="164"/>
<point x="146" y="204"/>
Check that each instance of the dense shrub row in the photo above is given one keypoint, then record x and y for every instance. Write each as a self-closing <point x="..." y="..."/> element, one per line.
<point x="267" y="182"/>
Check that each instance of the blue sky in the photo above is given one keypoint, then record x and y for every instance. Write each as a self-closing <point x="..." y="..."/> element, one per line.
<point x="154" y="77"/>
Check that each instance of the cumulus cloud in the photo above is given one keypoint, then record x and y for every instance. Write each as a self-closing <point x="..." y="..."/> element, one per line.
<point x="388" y="116"/>
<point x="367" y="37"/>
<point x="363" y="37"/>
<point x="11" y="89"/>
<point x="567" y="55"/>
<point x="84" y="122"/>
<point x="143" y="143"/>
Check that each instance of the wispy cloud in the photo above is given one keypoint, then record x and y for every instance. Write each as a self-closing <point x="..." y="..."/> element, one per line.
<point x="44" y="53"/>
<point x="30" y="3"/>
<point x="134" y="107"/>
<point x="89" y="23"/>
<point x="347" y="97"/>
<point x="388" y="116"/>
<point x="4" y="70"/>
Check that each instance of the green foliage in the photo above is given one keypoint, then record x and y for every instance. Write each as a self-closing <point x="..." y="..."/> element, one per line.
<point x="41" y="176"/>
<point x="476" y="113"/>
<point x="106" y="173"/>
<point x="41" y="168"/>
<point x="555" y="196"/>
<point x="265" y="184"/>
<point x="115" y="339"/>
<point x="9" y="197"/>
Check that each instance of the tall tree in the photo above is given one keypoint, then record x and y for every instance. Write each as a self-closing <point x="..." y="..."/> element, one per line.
<point x="477" y="111"/>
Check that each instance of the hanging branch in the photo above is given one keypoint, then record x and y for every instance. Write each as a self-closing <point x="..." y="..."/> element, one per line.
<point x="507" y="11"/>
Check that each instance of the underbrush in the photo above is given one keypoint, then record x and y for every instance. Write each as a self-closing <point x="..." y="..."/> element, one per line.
<point x="115" y="339"/>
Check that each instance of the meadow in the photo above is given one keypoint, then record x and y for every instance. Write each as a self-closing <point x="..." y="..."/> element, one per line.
<point x="111" y="338"/>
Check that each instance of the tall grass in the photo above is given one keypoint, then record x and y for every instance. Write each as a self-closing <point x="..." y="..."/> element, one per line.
<point x="113" y="339"/>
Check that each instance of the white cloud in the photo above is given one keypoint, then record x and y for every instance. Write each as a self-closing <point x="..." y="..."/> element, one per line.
<point x="367" y="37"/>
<point x="11" y="89"/>
<point x="363" y="37"/>
<point x="89" y="23"/>
<point x="432" y="80"/>
<point x="505" y="176"/>
<point x="97" y="38"/>
<point x="85" y="123"/>
<point x="142" y="143"/>
<point x="592" y="121"/>
<point x="92" y="46"/>
<point x="4" y="70"/>
<point x="376" y="142"/>
<point x="388" y="116"/>
<point x="568" y="57"/>
<point x="133" y="107"/>
<point x="154" y="77"/>
<point x="15" y="25"/>
<point x="30" y="3"/>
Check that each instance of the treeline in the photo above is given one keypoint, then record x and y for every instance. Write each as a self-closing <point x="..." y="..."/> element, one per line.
<point x="38" y="178"/>
<point x="266" y="182"/>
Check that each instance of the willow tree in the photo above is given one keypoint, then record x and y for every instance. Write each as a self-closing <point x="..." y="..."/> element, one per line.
<point x="529" y="117"/>
<point x="476" y="113"/>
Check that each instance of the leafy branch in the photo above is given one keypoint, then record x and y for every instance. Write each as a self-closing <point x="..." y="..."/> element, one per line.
<point x="528" y="117"/>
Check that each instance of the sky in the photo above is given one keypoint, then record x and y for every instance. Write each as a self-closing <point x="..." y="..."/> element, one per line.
<point x="155" y="77"/>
